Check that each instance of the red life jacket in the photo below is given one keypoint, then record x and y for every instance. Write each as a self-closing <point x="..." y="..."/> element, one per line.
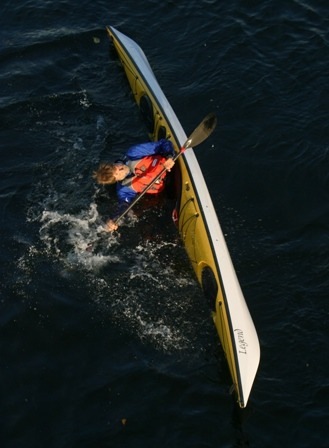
<point x="145" y="170"/>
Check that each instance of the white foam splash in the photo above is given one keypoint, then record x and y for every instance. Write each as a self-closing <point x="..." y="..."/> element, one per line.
<point x="73" y="237"/>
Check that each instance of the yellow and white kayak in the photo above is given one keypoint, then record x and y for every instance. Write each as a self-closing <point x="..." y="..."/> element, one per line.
<point x="197" y="222"/>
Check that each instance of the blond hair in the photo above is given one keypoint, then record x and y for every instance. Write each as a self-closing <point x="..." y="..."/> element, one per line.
<point x="105" y="173"/>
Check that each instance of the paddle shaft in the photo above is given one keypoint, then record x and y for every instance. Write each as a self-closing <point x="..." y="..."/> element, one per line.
<point x="200" y="133"/>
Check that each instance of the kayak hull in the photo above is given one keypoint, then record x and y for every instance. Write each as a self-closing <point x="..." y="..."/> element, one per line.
<point x="197" y="223"/>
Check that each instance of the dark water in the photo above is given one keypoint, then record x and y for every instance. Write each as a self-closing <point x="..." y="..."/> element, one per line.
<point x="115" y="347"/>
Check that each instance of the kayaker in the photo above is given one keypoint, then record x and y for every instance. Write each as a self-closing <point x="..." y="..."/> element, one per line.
<point x="135" y="171"/>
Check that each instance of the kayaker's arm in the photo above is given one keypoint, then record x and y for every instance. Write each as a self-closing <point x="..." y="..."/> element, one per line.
<point x="169" y="163"/>
<point x="125" y="196"/>
<point x="163" y="147"/>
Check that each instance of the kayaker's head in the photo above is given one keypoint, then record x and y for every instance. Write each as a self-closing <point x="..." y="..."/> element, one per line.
<point x="110" y="173"/>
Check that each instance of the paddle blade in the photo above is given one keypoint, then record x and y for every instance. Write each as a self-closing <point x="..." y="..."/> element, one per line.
<point x="202" y="131"/>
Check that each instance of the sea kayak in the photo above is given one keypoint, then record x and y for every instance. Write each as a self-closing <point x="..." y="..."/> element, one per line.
<point x="197" y="222"/>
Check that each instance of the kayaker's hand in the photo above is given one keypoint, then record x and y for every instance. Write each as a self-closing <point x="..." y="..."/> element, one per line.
<point x="168" y="164"/>
<point x="111" y="226"/>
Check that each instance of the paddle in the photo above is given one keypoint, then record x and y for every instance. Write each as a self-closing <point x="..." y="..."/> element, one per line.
<point x="200" y="133"/>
